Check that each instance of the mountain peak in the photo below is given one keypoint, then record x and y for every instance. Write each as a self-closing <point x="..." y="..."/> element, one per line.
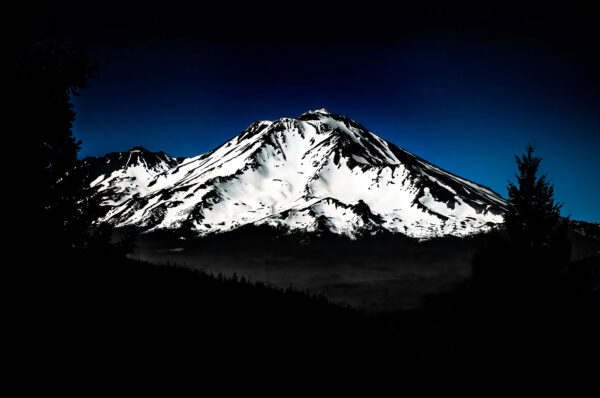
<point x="321" y="111"/>
<point x="138" y="149"/>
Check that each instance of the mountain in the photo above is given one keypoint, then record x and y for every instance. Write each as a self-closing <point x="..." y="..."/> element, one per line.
<point x="121" y="176"/>
<point x="321" y="171"/>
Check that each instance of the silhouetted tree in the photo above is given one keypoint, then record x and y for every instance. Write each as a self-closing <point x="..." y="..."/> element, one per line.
<point x="533" y="220"/>
<point x="516" y="301"/>
<point x="59" y="204"/>
<point x="535" y="243"/>
<point x="533" y="214"/>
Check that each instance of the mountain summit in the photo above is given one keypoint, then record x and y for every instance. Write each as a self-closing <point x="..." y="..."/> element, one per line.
<point x="321" y="171"/>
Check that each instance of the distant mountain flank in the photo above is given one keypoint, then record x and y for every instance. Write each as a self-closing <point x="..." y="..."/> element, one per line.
<point x="319" y="172"/>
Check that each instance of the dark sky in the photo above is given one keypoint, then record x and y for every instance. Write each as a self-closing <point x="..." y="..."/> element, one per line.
<point x="464" y="86"/>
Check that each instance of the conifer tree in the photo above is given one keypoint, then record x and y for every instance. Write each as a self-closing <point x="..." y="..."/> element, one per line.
<point x="533" y="219"/>
<point x="48" y="72"/>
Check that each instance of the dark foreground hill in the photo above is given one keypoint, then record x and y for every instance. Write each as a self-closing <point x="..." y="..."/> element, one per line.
<point x="123" y="308"/>
<point x="119" y="308"/>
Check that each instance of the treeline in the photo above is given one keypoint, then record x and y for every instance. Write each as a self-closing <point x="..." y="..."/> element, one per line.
<point x="124" y="305"/>
<point x="120" y="307"/>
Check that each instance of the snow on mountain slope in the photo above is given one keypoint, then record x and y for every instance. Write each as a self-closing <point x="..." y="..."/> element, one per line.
<point x="319" y="172"/>
<point x="120" y="176"/>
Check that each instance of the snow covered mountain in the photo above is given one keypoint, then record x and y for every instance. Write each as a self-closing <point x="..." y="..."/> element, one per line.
<point x="120" y="176"/>
<point x="319" y="172"/>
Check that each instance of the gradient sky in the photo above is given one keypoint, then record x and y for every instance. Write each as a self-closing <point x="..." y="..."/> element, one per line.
<point x="463" y="87"/>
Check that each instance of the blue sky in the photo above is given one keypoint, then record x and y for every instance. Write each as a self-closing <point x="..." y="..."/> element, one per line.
<point x="462" y="100"/>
